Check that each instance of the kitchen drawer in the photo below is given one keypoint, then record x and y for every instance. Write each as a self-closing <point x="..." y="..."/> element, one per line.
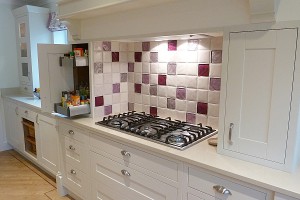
<point x="202" y="181"/>
<point x="76" y="181"/>
<point x="26" y="88"/>
<point x="73" y="132"/>
<point x="129" y="155"/>
<point x="123" y="182"/>
<point x="76" y="154"/>
<point x="28" y="114"/>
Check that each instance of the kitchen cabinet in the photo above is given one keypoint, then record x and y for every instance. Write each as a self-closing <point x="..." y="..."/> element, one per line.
<point x="257" y="94"/>
<point x="202" y="185"/>
<point x="31" y="29"/>
<point x="279" y="196"/>
<point x="14" y="134"/>
<point x="47" y="145"/>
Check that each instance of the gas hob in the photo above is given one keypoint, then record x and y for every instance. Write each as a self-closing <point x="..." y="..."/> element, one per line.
<point x="173" y="133"/>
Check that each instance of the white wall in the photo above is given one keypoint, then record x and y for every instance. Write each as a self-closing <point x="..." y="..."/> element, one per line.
<point x="8" y="51"/>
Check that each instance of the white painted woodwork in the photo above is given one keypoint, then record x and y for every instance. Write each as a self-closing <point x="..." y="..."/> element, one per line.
<point x="263" y="11"/>
<point x="47" y="145"/>
<point x="134" y="186"/>
<point x="161" y="166"/>
<point x="258" y="87"/>
<point x="279" y="196"/>
<point x="73" y="133"/>
<point x="53" y="78"/>
<point x="35" y="19"/>
<point x="14" y="134"/>
<point x="202" y="181"/>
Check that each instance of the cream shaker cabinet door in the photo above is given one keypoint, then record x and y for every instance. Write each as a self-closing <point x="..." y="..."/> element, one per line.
<point x="258" y="92"/>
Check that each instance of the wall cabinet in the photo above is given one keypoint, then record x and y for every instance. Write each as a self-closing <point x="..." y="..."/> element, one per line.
<point x="257" y="95"/>
<point x="31" y="29"/>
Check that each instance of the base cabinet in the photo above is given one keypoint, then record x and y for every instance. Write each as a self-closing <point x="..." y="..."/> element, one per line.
<point x="48" y="143"/>
<point x="279" y="196"/>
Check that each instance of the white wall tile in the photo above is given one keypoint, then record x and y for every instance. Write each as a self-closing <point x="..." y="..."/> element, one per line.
<point x="202" y="96"/>
<point x="115" y="46"/>
<point x="130" y="57"/>
<point x="124" y="87"/>
<point x="162" y="102"/>
<point x="172" y="80"/>
<point x="116" y="78"/>
<point x="123" y="97"/>
<point x="97" y="46"/>
<point x="145" y="89"/>
<point x="163" y="46"/>
<point x="182" y="45"/>
<point x="204" y="44"/>
<point x="162" y="90"/>
<point x="124" y="46"/>
<point x="180" y="115"/>
<point x="153" y="100"/>
<point x="130" y="46"/>
<point x="137" y="67"/>
<point x="98" y="56"/>
<point x="201" y="119"/>
<point x="181" y="69"/>
<point x="154" y="68"/>
<point x="191" y="94"/>
<point x="203" y="82"/>
<point x="99" y="111"/>
<point x="217" y="43"/>
<point x="107" y="78"/>
<point x="131" y="77"/>
<point x="146" y="56"/>
<point x="154" y="46"/>
<point x="123" y="57"/>
<point x="162" y="68"/>
<point x="191" y="81"/>
<point x="171" y="91"/>
<point x="146" y="67"/>
<point x="180" y="105"/>
<point x="191" y="106"/>
<point x="191" y="69"/>
<point x="214" y="97"/>
<point x="124" y="67"/>
<point x="138" y="78"/>
<point x="213" y="122"/>
<point x="153" y="79"/>
<point x="116" y="98"/>
<point x="181" y="81"/>
<point x="138" y="107"/>
<point x="98" y="79"/>
<point x="146" y="99"/>
<point x="124" y="107"/>
<point x="137" y="98"/>
<point x="146" y="108"/>
<point x="107" y="100"/>
<point x="98" y="90"/>
<point x="213" y="110"/>
<point x="107" y="89"/>
<point x="203" y="56"/>
<point x="137" y="46"/>
<point x="215" y="70"/>
<point x="107" y="68"/>
<point x="162" y="112"/>
<point x="107" y="56"/>
<point x="115" y="67"/>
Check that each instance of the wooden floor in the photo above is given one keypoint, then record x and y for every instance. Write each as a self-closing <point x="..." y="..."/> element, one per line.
<point x="20" y="180"/>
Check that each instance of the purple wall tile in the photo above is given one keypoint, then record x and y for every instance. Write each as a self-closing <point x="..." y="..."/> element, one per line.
<point x="172" y="45"/>
<point x="145" y="78"/>
<point x="153" y="57"/>
<point x="106" y="46"/>
<point x="123" y="77"/>
<point x="116" y="88"/>
<point x="181" y="93"/>
<point x="216" y="56"/>
<point x="171" y="103"/>
<point x="215" y="84"/>
<point x="203" y="70"/>
<point x="99" y="101"/>
<point x="153" y="90"/>
<point x="115" y="56"/>
<point x="172" y="68"/>
<point x="130" y="106"/>
<point x="191" y="118"/>
<point x="98" y="67"/>
<point x="153" y="111"/>
<point x="162" y="79"/>
<point x="130" y="67"/>
<point x="202" y="108"/>
<point x="193" y="45"/>
<point x="138" y="56"/>
<point x="146" y="46"/>
<point x="107" y="110"/>
<point x="137" y="88"/>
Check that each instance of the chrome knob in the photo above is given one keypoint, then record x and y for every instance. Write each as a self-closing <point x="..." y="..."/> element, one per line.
<point x="73" y="171"/>
<point x="72" y="148"/>
<point x="125" y="172"/>
<point x="125" y="153"/>
<point x="222" y="190"/>
<point x="71" y="132"/>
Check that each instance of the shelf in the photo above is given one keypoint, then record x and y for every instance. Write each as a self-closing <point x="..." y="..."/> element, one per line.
<point x="28" y="125"/>
<point x="79" y="61"/>
<point x="72" y="111"/>
<point x="31" y="140"/>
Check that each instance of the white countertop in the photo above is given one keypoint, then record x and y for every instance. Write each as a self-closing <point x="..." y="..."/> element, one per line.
<point x="206" y="156"/>
<point x="32" y="102"/>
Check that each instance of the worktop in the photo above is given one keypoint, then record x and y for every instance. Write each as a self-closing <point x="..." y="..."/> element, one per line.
<point x="201" y="154"/>
<point x="206" y="157"/>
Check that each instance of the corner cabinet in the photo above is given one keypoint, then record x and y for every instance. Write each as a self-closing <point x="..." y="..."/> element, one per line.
<point x="31" y="29"/>
<point x="259" y="104"/>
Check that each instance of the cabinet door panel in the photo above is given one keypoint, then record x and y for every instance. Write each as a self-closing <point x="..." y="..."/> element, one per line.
<point x="259" y="86"/>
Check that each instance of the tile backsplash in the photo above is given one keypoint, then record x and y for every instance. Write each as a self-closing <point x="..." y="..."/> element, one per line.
<point x="176" y="78"/>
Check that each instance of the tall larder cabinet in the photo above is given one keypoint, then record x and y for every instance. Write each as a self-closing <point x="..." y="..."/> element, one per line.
<point x="31" y="29"/>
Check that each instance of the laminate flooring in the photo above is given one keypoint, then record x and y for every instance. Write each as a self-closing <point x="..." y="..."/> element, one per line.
<point x="21" y="180"/>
